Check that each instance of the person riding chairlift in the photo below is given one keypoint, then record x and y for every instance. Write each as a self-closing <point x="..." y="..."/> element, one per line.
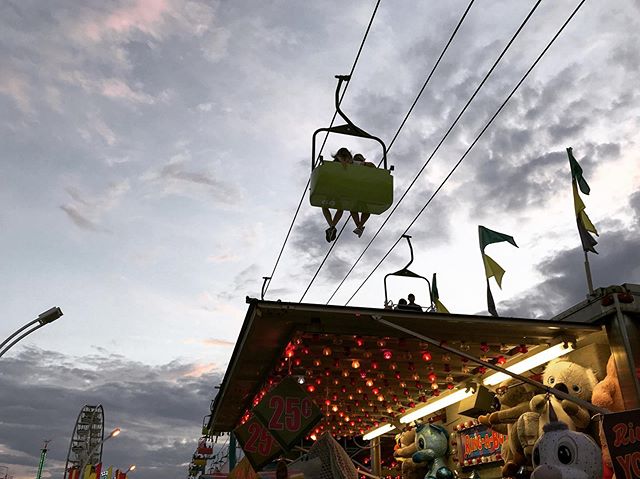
<point x="344" y="156"/>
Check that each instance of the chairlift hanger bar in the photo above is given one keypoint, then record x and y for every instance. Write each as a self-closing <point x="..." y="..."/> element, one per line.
<point x="348" y="129"/>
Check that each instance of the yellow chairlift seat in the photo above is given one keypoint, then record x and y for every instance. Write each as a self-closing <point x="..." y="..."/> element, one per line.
<point x="351" y="187"/>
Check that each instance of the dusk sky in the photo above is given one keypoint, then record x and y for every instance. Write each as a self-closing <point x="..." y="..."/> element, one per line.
<point x="154" y="153"/>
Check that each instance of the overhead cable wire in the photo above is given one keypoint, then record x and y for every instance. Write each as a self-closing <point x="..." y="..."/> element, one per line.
<point x="524" y="77"/>
<point x="304" y="192"/>
<point x="446" y="135"/>
<point x="389" y="148"/>
<point x="395" y="136"/>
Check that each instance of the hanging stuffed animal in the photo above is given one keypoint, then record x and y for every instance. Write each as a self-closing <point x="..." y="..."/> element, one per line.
<point x="608" y="395"/>
<point x="514" y="396"/>
<point x="570" y="378"/>
<point x="405" y="448"/>
<point x="564" y="454"/>
<point x="432" y="442"/>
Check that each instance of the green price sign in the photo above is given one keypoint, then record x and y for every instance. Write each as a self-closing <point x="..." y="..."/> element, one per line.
<point x="288" y="412"/>
<point x="258" y="445"/>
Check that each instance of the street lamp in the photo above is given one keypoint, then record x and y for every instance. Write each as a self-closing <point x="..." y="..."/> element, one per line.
<point x="132" y="468"/>
<point x="113" y="433"/>
<point x="47" y="317"/>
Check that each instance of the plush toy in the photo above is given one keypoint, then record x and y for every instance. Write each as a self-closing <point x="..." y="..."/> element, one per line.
<point x="432" y="442"/>
<point x="514" y="396"/>
<point x="570" y="378"/>
<point x="607" y="394"/>
<point x="561" y="453"/>
<point x="405" y="448"/>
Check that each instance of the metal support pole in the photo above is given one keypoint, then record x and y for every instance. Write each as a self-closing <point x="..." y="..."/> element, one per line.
<point x="587" y="270"/>
<point x="232" y="451"/>
<point x="376" y="459"/>
<point x="557" y="393"/>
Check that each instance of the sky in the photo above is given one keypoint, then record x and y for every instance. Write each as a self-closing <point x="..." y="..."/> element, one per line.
<point x="154" y="153"/>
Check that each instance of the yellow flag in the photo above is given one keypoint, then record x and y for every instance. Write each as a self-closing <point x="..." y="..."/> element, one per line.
<point x="581" y="214"/>
<point x="440" y="308"/>
<point x="491" y="268"/>
<point x="87" y="472"/>
<point x="110" y="472"/>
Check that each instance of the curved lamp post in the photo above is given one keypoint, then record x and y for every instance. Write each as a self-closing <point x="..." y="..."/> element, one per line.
<point x="43" y="319"/>
<point x="113" y="433"/>
<point x="132" y="468"/>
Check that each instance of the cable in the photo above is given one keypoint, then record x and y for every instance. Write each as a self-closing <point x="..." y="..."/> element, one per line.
<point x="304" y="192"/>
<point x="395" y="136"/>
<point x="524" y="77"/>
<point x="446" y="135"/>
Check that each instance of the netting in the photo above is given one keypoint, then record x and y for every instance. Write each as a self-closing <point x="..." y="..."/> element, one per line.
<point x="326" y="460"/>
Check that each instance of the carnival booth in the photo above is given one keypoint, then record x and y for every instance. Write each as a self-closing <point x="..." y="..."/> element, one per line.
<point x="363" y="392"/>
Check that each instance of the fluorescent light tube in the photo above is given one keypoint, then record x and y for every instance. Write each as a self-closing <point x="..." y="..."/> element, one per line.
<point x="531" y="362"/>
<point x="378" y="431"/>
<point x="434" y="406"/>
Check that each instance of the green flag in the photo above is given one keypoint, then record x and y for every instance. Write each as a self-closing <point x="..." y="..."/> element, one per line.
<point x="488" y="237"/>
<point x="576" y="173"/>
<point x="491" y="268"/>
<point x="440" y="308"/>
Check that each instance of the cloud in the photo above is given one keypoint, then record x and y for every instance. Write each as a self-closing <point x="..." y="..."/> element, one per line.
<point x="565" y="283"/>
<point x="176" y="178"/>
<point x="87" y="212"/>
<point x="159" y="409"/>
<point x="216" y="342"/>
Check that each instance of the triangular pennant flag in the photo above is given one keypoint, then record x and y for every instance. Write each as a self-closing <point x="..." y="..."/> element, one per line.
<point x="491" y="268"/>
<point x="440" y="308"/>
<point x="491" y="305"/>
<point x="579" y="207"/>
<point x="488" y="237"/>
<point x="576" y="173"/>
<point x="588" y="241"/>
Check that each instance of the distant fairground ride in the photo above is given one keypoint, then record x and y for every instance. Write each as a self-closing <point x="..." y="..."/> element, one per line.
<point x="87" y="435"/>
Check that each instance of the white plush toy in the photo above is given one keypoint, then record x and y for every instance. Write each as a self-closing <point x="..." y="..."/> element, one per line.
<point x="564" y="454"/>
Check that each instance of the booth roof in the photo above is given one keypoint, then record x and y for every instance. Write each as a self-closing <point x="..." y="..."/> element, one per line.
<point x="324" y="340"/>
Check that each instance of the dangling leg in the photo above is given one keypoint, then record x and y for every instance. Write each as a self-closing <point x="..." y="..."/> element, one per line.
<point x="330" y="232"/>
<point x="359" y="223"/>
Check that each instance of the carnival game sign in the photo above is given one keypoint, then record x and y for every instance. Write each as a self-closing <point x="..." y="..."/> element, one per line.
<point x="479" y="444"/>
<point x="258" y="445"/>
<point x="288" y="412"/>
<point x="622" y="430"/>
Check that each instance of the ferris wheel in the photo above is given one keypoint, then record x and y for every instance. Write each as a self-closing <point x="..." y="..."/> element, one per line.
<point x="88" y="433"/>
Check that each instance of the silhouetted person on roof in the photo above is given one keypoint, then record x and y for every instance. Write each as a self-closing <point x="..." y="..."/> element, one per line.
<point x="412" y="303"/>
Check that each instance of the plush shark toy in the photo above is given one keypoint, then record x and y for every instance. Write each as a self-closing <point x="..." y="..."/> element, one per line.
<point x="564" y="454"/>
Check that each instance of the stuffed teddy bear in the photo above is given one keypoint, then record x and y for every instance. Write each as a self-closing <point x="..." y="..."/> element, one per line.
<point x="404" y="450"/>
<point x="432" y="442"/>
<point x="514" y="396"/>
<point x="570" y="378"/>
<point x="607" y="394"/>
<point x="563" y="454"/>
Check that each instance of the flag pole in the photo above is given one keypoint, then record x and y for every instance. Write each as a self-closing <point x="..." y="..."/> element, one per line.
<point x="587" y="270"/>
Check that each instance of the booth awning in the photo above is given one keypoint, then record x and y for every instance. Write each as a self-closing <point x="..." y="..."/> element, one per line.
<point x="360" y="371"/>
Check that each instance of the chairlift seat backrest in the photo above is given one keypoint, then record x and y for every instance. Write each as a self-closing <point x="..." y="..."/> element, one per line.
<point x="356" y="188"/>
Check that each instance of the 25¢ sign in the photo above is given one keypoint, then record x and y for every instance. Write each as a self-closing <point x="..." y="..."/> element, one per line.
<point x="288" y="412"/>
<point x="259" y="446"/>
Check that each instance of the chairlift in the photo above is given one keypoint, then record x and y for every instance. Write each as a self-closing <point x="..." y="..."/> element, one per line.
<point x="406" y="273"/>
<point x="205" y="425"/>
<point x="351" y="188"/>
<point x="204" y="447"/>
